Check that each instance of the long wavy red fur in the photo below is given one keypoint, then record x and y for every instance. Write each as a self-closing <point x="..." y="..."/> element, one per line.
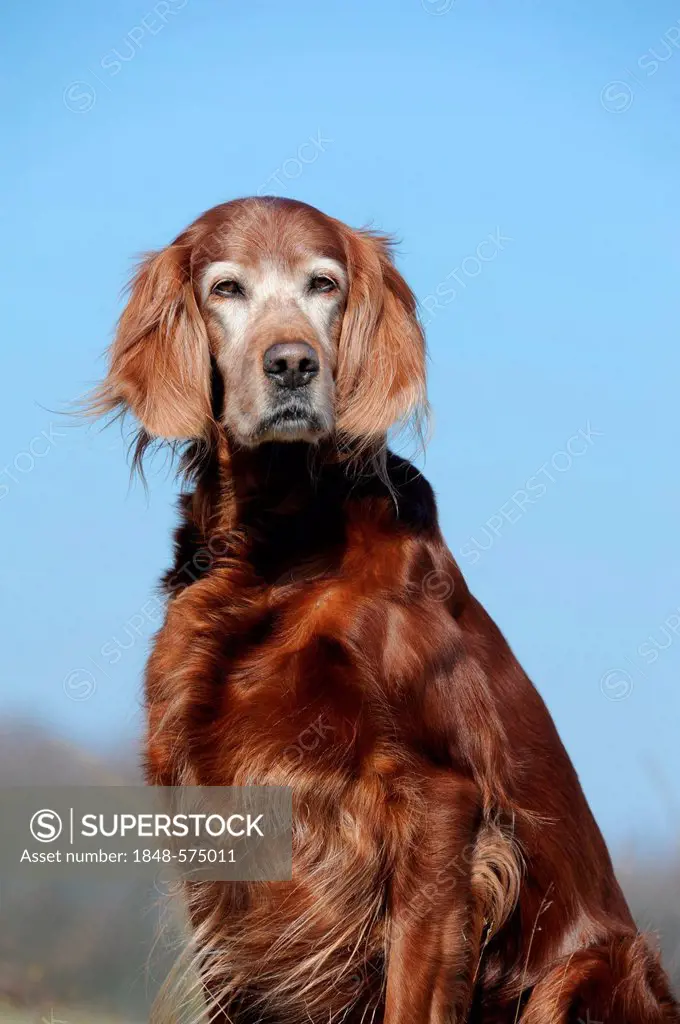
<point x="319" y="634"/>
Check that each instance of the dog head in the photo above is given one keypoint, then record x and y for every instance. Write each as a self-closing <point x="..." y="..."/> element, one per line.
<point x="310" y="328"/>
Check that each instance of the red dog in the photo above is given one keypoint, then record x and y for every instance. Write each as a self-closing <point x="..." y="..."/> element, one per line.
<point x="320" y="635"/>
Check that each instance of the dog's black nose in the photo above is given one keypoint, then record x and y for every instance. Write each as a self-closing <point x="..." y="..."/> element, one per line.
<point x="291" y="364"/>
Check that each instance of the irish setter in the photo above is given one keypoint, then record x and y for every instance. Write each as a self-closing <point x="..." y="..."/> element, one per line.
<point x="319" y="634"/>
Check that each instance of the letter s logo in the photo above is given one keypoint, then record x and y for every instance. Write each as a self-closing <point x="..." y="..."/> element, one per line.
<point x="46" y="826"/>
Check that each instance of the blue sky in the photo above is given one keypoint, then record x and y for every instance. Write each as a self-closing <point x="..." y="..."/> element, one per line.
<point x="550" y="127"/>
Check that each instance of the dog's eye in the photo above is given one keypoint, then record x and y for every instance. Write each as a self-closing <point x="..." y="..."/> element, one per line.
<point x="322" y="283"/>
<point x="226" y="288"/>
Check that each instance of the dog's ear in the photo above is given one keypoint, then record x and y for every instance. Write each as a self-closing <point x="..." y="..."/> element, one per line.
<point x="381" y="358"/>
<point x="160" y="359"/>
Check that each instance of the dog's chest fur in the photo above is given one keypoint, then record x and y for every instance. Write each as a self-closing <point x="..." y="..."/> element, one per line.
<point x="307" y="671"/>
